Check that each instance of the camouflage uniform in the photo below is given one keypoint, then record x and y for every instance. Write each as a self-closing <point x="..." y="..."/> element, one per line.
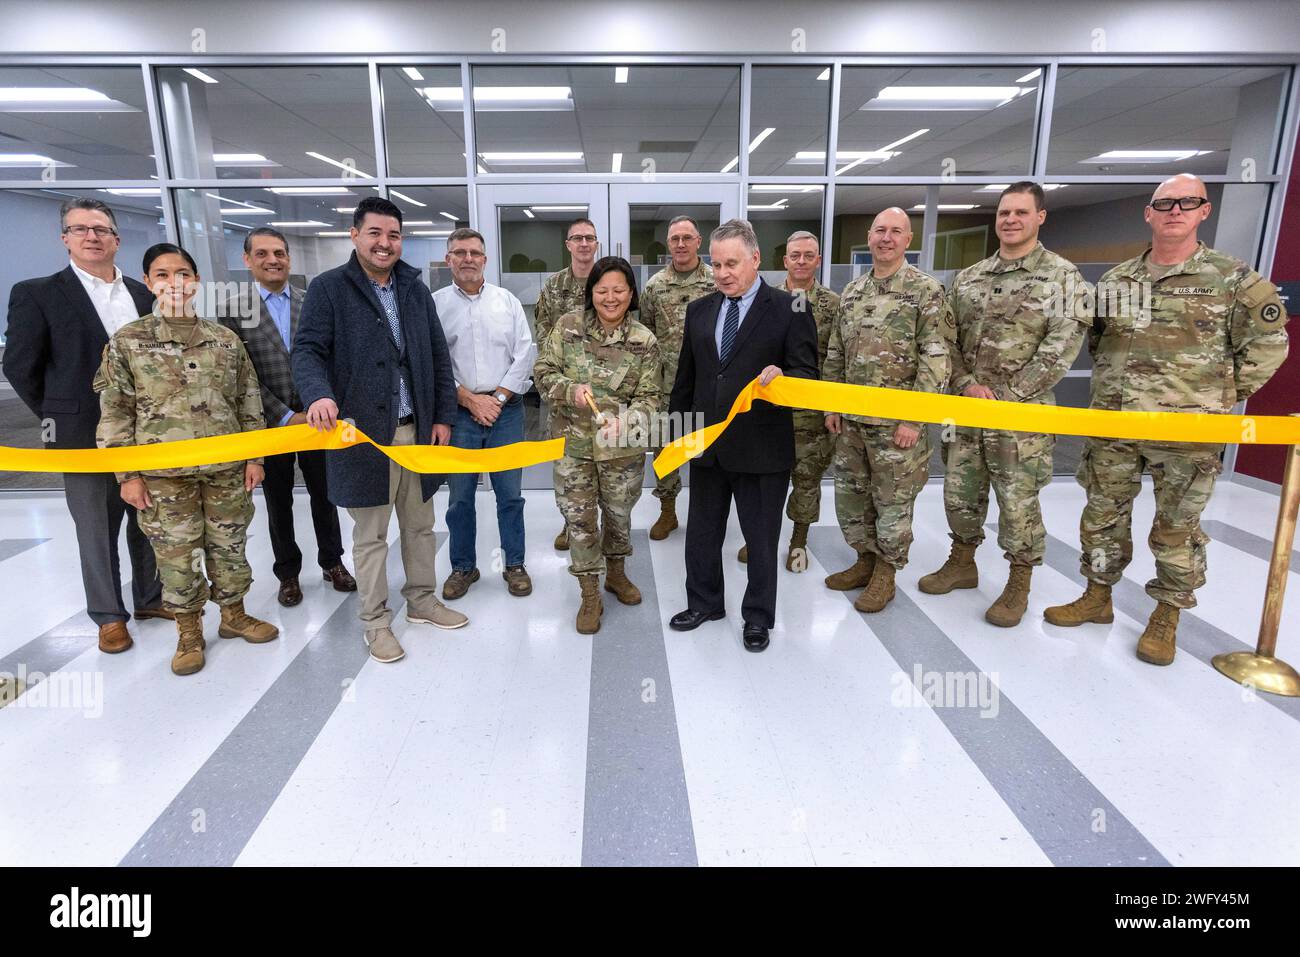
<point x="622" y="368"/>
<point x="1020" y="325"/>
<point x="161" y="382"/>
<point x="663" y="305"/>
<point x="891" y="333"/>
<point x="813" y="445"/>
<point x="562" y="293"/>
<point x="1214" y="334"/>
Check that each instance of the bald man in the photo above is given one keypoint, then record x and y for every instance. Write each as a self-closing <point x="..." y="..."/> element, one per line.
<point x="1180" y="328"/>
<point x="892" y="330"/>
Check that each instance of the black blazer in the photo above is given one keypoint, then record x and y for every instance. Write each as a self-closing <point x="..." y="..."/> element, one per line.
<point x="265" y="346"/>
<point x="344" y="351"/>
<point x="772" y="333"/>
<point x="55" y="346"/>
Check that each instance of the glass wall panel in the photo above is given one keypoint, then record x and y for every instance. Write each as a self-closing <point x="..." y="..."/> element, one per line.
<point x="424" y="122"/>
<point x="776" y="211"/>
<point x="789" y="116"/>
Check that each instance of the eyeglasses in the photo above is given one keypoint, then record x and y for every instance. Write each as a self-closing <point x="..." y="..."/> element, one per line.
<point x="99" y="231"/>
<point x="1183" y="202"/>
<point x="585" y="238"/>
<point x="467" y="254"/>
<point x="801" y="257"/>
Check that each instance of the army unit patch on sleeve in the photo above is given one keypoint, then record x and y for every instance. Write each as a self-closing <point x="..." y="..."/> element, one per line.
<point x="1270" y="313"/>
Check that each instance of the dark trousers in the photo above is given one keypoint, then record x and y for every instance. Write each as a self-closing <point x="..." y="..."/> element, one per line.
<point x="95" y="501"/>
<point x="278" y="489"/>
<point x="759" y="501"/>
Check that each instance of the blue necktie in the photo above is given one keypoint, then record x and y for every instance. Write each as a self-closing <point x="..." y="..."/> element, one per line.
<point x="729" y="327"/>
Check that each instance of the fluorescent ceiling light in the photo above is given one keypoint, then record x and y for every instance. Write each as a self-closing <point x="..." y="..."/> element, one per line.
<point x="59" y="99"/>
<point x="133" y="191"/>
<point x="336" y="232"/>
<point x="345" y="209"/>
<point x="413" y="73"/>
<point x="334" y="162"/>
<point x="616" y="164"/>
<point x="502" y="98"/>
<point x="308" y="190"/>
<point x="24" y="160"/>
<point x="942" y="97"/>
<point x="753" y="144"/>
<point x="1032" y="75"/>
<point x="778" y="188"/>
<point x="534" y="159"/>
<point x="452" y="216"/>
<point x="559" y="209"/>
<point x="949" y="206"/>
<point x="529" y="214"/>
<point x="779" y="204"/>
<point x="1144" y="156"/>
<point x="824" y="74"/>
<point x="730" y="166"/>
<point x="237" y="225"/>
<point x="417" y="222"/>
<point x="242" y="159"/>
<point x="481" y="168"/>
<point x="227" y="199"/>
<point x="884" y="151"/>
<point x="999" y="187"/>
<point x="298" y="222"/>
<point x="200" y="75"/>
<point x="431" y="232"/>
<point x="406" y="199"/>
<point x="620" y="74"/>
<point x="245" y="211"/>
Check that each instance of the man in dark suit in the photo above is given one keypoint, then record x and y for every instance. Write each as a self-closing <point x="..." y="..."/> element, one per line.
<point x="743" y="330"/>
<point x="58" y="328"/>
<point x="267" y="322"/>
<point x="370" y="349"/>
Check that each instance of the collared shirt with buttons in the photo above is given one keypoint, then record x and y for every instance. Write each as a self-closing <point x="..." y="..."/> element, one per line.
<point x="112" y="300"/>
<point x="488" y="337"/>
<point x="388" y="299"/>
<point x="278" y="305"/>
<point x="746" y="300"/>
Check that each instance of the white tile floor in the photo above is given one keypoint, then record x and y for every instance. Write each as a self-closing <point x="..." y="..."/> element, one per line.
<point x="474" y="749"/>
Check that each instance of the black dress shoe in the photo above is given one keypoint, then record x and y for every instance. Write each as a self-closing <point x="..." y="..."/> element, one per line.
<point x="690" y="619"/>
<point x="755" y="637"/>
<point x="290" y="594"/>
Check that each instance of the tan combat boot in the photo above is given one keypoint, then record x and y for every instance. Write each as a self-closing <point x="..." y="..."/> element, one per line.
<point x="588" y="622"/>
<point x="1094" y="606"/>
<point x="667" y="520"/>
<point x="189" y="648"/>
<point x="237" y="623"/>
<point x="958" y="571"/>
<point x="562" y="540"/>
<point x="1007" y="611"/>
<point x="742" y="556"/>
<point x="616" y="582"/>
<point x="798" y="548"/>
<point x="1156" y="646"/>
<point x="857" y="575"/>
<point x="879" y="591"/>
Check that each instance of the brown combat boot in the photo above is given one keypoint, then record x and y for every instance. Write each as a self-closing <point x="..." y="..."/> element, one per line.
<point x="616" y="582"/>
<point x="667" y="520"/>
<point x="189" y="648"/>
<point x="798" y="548"/>
<point x="958" y="571"/>
<point x="742" y="556"/>
<point x="562" y="540"/>
<point x="879" y="591"/>
<point x="588" y="622"/>
<point x="1094" y="606"/>
<point x="1156" y="646"/>
<point x="857" y="575"/>
<point x="237" y="623"/>
<point x="1007" y="611"/>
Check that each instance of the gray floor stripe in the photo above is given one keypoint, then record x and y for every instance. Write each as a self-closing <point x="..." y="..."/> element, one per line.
<point x="9" y="547"/>
<point x="1053" y="800"/>
<point x="1196" y="636"/>
<point x="637" y="811"/>
<point x="1242" y="540"/>
<point x="242" y="778"/>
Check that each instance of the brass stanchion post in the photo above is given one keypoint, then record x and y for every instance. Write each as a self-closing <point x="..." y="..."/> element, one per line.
<point x="1259" y="668"/>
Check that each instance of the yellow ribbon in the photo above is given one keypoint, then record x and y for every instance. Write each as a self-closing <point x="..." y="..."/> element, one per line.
<point x="986" y="414"/>
<point x="240" y="446"/>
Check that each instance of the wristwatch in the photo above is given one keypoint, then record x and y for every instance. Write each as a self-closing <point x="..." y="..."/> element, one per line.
<point x="500" y="397"/>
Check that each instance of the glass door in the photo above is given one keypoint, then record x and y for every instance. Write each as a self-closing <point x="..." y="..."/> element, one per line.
<point x="640" y="214"/>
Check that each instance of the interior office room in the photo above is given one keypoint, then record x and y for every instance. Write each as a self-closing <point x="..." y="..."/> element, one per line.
<point x="516" y="740"/>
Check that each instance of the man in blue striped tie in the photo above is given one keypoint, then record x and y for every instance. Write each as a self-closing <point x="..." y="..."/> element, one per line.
<point x="745" y="330"/>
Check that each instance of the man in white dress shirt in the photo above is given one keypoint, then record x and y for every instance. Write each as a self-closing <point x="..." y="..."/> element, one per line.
<point x="492" y="354"/>
<point x="57" y="329"/>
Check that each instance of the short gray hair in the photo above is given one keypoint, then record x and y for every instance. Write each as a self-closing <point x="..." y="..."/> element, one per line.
<point x="684" y="219"/>
<point x="94" y="205"/>
<point x="736" y="229"/>
<point x="803" y="234"/>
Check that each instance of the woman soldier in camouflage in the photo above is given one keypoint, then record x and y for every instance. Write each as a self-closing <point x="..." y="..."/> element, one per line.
<point x="171" y="376"/>
<point x="600" y="356"/>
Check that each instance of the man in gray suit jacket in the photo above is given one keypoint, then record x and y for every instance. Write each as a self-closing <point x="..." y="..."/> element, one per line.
<point x="267" y="328"/>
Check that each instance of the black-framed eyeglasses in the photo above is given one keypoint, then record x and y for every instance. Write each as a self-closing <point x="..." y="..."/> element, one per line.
<point x="584" y="238"/>
<point x="1185" y="203"/>
<point x="99" y="231"/>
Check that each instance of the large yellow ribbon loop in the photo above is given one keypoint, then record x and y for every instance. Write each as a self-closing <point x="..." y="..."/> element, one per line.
<point x="987" y="414"/>
<point x="291" y="438"/>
